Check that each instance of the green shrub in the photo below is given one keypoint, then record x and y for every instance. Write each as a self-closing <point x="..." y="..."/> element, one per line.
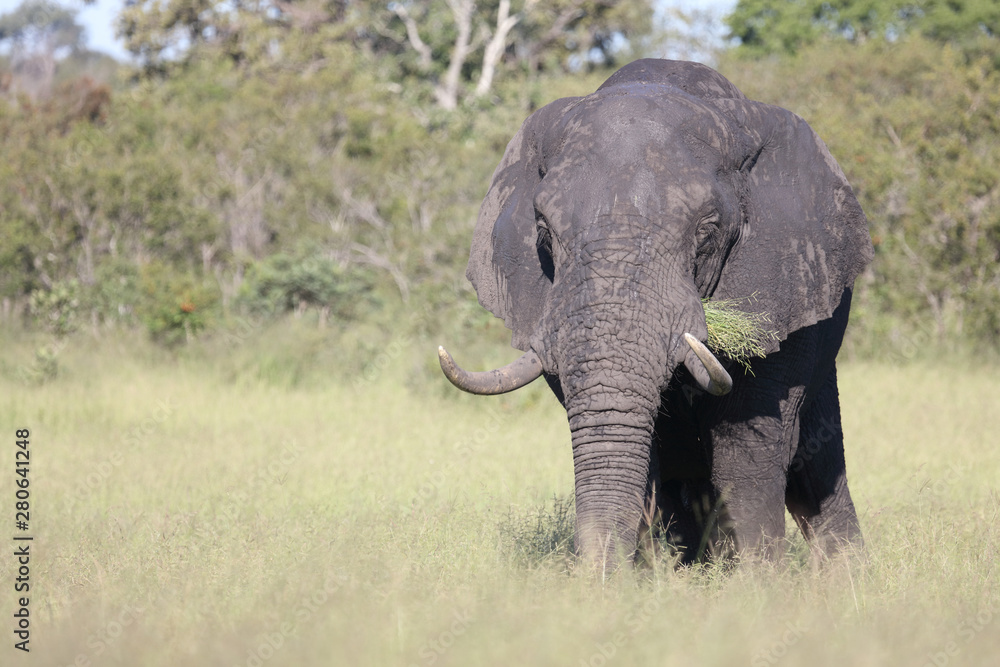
<point x="57" y="309"/>
<point x="175" y="307"/>
<point x="286" y="283"/>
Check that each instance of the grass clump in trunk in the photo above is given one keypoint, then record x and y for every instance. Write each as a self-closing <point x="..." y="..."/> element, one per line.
<point x="734" y="333"/>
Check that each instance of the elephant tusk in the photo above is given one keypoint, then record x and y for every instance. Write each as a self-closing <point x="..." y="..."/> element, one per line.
<point x="523" y="370"/>
<point x="720" y="383"/>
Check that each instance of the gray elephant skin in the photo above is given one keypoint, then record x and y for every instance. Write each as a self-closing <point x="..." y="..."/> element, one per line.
<point x="609" y="219"/>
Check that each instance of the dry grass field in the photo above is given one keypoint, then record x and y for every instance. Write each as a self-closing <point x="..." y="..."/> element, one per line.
<point x="193" y="514"/>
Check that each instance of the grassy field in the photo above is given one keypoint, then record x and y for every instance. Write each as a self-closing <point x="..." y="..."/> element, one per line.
<point x="195" y="513"/>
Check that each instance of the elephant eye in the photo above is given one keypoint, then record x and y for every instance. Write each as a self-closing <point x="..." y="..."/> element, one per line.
<point x="544" y="240"/>
<point x="707" y="229"/>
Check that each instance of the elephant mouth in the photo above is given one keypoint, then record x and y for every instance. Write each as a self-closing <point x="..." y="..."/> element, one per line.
<point x="704" y="367"/>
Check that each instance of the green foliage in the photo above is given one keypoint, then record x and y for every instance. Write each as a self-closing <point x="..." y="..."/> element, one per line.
<point x="734" y="333"/>
<point x="765" y="27"/>
<point x="57" y="309"/>
<point x="116" y="293"/>
<point x="292" y="283"/>
<point x="925" y="172"/>
<point x="175" y="307"/>
<point x="278" y="129"/>
<point x="452" y="52"/>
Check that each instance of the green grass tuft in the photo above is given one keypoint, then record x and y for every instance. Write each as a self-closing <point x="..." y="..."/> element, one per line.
<point x="734" y="333"/>
<point x="542" y="536"/>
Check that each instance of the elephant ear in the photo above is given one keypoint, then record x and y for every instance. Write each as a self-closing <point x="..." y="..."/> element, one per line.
<point x="805" y="238"/>
<point x="505" y="267"/>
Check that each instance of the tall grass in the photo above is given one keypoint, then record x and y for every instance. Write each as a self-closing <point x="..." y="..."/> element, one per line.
<point x="201" y="510"/>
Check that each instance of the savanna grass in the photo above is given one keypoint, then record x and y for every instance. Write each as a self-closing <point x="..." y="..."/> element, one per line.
<point x="187" y="515"/>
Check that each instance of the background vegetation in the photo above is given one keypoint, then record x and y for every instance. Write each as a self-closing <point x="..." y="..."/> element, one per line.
<point x="328" y="158"/>
<point x="224" y="269"/>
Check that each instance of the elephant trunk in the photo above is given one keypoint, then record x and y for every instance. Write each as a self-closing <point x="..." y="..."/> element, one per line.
<point x="615" y="341"/>
<point x="612" y="395"/>
<point x="611" y="467"/>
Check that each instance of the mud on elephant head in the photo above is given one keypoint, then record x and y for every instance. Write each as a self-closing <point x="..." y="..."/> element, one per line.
<point x="609" y="219"/>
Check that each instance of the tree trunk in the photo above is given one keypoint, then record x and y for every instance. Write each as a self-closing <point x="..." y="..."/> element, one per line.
<point x="495" y="49"/>
<point x="447" y="91"/>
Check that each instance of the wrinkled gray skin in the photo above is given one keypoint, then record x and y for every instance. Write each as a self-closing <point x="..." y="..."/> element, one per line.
<point x="609" y="218"/>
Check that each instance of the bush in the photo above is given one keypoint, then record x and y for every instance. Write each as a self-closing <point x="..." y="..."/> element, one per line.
<point x="286" y="283"/>
<point x="57" y="309"/>
<point x="175" y="307"/>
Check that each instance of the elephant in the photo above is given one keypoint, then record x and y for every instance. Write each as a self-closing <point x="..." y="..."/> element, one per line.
<point x="609" y="220"/>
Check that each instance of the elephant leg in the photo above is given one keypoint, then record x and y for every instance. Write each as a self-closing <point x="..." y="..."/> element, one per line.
<point x="751" y="487"/>
<point x="752" y="435"/>
<point x="817" y="495"/>
<point x="687" y="502"/>
<point x="691" y="513"/>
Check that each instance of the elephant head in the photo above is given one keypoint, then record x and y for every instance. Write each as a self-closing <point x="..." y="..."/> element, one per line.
<point x="609" y="219"/>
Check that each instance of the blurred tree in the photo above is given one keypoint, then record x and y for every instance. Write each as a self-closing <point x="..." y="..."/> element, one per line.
<point x="785" y="26"/>
<point x="38" y="33"/>
<point x="457" y="47"/>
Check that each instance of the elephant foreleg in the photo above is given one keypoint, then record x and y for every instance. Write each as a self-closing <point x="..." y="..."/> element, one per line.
<point x="752" y="520"/>
<point x="817" y="495"/>
<point x="751" y="435"/>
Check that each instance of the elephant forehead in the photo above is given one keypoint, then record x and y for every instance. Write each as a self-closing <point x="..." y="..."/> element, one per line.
<point x="652" y="187"/>
<point x="655" y="115"/>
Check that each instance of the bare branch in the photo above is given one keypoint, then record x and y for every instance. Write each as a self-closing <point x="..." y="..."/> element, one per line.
<point x="364" y="210"/>
<point x="496" y="47"/>
<point x="365" y="255"/>
<point x="447" y="92"/>
<point x="413" y="34"/>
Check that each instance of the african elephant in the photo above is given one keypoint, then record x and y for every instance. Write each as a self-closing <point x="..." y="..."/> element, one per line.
<point x="609" y="219"/>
